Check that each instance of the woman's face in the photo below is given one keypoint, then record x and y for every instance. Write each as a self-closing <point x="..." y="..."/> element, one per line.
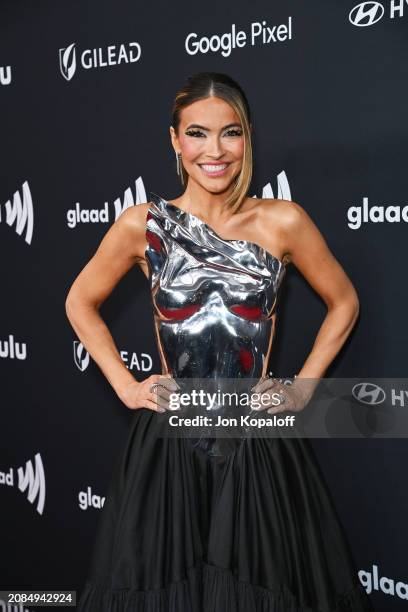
<point x="211" y="143"/>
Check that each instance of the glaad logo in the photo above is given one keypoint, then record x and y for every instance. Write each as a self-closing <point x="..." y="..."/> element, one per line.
<point x="10" y="349"/>
<point x="260" y="33"/>
<point x="32" y="479"/>
<point x="368" y="393"/>
<point x="85" y="215"/>
<point x="5" y="605"/>
<point x="371" y="581"/>
<point x="5" y="75"/>
<point x="376" y="214"/>
<point x="113" y="55"/>
<point x="20" y="212"/>
<point x="283" y="188"/>
<point x="87" y="499"/>
<point x="81" y="356"/>
<point x="366" y="14"/>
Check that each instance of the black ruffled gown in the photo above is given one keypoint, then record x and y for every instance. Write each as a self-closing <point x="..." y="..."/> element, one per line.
<point x="187" y="525"/>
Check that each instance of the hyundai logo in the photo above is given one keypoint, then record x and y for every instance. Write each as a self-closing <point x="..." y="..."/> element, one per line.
<point x="366" y="14"/>
<point x="368" y="393"/>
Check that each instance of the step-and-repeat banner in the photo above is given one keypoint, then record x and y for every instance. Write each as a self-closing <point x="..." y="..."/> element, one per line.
<point x="86" y="90"/>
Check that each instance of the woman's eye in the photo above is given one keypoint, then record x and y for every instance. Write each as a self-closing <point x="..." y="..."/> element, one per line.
<point x="199" y="133"/>
<point x="194" y="133"/>
<point x="234" y="133"/>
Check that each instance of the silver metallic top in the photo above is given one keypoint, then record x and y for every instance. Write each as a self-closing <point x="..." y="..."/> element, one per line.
<point x="214" y="299"/>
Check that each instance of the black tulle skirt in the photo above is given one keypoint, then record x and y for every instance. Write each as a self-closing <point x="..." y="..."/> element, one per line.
<point x="253" y="530"/>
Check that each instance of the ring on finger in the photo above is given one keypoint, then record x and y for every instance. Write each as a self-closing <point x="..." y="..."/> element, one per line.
<point x="281" y="396"/>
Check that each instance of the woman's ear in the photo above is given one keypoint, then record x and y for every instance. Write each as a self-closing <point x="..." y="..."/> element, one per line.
<point x="173" y="137"/>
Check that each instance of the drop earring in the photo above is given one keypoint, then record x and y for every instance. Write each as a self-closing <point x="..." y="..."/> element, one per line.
<point x="179" y="171"/>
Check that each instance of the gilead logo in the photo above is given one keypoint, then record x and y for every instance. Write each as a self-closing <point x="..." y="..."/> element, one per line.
<point x="372" y="582"/>
<point x="357" y="215"/>
<point x="114" y="55"/>
<point x="81" y="356"/>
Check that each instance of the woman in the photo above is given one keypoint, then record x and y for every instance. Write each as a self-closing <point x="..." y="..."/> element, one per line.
<point x="201" y="523"/>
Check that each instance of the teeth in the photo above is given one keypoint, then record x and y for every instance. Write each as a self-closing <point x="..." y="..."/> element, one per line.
<point x="213" y="168"/>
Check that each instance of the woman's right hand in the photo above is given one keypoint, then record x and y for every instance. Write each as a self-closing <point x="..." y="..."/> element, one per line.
<point x="138" y="395"/>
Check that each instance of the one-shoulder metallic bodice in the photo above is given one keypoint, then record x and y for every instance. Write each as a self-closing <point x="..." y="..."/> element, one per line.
<point x="215" y="300"/>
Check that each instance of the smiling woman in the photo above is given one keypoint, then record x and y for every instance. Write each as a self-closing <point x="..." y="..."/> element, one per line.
<point x="215" y="524"/>
<point x="210" y="131"/>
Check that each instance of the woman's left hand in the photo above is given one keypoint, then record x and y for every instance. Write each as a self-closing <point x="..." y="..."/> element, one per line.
<point x="274" y="396"/>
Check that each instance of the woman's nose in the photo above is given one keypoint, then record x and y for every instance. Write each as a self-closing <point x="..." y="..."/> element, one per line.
<point x="214" y="147"/>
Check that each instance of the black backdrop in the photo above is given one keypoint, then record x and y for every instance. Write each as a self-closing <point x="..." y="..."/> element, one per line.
<point x="89" y="130"/>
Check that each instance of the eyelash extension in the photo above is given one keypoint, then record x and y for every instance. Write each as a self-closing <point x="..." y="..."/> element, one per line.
<point x="195" y="132"/>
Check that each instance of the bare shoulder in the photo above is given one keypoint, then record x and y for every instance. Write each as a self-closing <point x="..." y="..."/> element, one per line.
<point x="278" y="222"/>
<point x="134" y="217"/>
<point x="132" y="225"/>
<point x="286" y="212"/>
<point x="288" y="216"/>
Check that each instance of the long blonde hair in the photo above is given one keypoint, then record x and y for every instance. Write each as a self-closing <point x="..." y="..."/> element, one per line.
<point x="204" y="85"/>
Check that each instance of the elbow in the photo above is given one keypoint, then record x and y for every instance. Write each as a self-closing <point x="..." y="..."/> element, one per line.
<point x="72" y="303"/>
<point x="349" y="306"/>
<point x="77" y="303"/>
<point x="355" y="309"/>
<point x="354" y="305"/>
<point x="69" y="306"/>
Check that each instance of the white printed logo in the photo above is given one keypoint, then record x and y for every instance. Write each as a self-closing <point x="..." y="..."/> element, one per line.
<point x="94" y="215"/>
<point x="283" y="188"/>
<point x="10" y="349"/>
<point x="113" y="55"/>
<point x="20" y="212"/>
<point x="372" y="395"/>
<point x="67" y="58"/>
<point x="5" y="75"/>
<point x="87" y="499"/>
<point x="81" y="356"/>
<point x="5" y="606"/>
<point x="143" y="363"/>
<point x="357" y="215"/>
<point x="368" y="393"/>
<point x="366" y="14"/>
<point x="259" y="33"/>
<point x="31" y="479"/>
<point x="371" y="581"/>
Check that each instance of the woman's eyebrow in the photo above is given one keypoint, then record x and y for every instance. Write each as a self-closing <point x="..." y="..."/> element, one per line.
<point x="201" y="127"/>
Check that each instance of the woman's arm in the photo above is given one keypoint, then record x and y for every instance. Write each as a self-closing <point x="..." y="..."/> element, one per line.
<point x="122" y="247"/>
<point x="311" y="255"/>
